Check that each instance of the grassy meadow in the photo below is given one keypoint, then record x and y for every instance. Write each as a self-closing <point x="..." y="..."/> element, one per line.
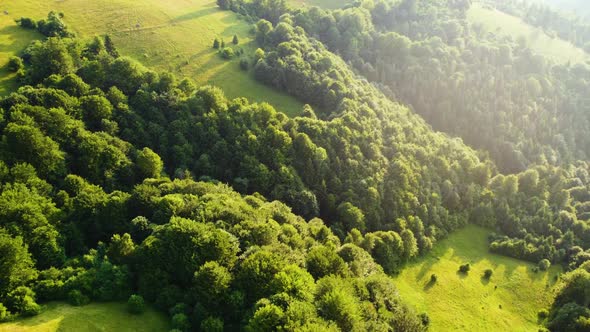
<point x="12" y="41"/>
<point x="498" y="22"/>
<point x="173" y="35"/>
<point x="508" y="301"/>
<point x="93" y="317"/>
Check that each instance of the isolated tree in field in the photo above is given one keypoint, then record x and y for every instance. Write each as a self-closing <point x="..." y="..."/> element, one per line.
<point x="544" y="265"/>
<point x="227" y="53"/>
<point x="488" y="273"/>
<point x="222" y="45"/>
<point x="216" y="43"/>
<point x="135" y="304"/>
<point x="235" y="40"/>
<point x="465" y="268"/>
<point x="433" y="278"/>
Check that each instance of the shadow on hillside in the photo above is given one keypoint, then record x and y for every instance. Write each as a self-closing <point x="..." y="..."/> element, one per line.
<point x="195" y="15"/>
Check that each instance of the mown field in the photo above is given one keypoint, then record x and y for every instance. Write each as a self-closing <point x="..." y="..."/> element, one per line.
<point x="508" y="301"/>
<point x="173" y="35"/>
<point x="496" y="21"/>
<point x="89" y="318"/>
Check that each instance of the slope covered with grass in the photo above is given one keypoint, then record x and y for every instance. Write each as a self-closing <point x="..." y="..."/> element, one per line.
<point x="172" y="35"/>
<point x="495" y="21"/>
<point x="12" y="41"/>
<point x="92" y="317"/>
<point x="508" y="301"/>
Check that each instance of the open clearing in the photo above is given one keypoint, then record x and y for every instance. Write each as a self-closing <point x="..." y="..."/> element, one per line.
<point x="172" y="35"/>
<point x="458" y="302"/>
<point x="498" y="22"/>
<point x="92" y="317"/>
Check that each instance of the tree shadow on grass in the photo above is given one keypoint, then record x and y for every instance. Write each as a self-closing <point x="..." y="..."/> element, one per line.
<point x="429" y="285"/>
<point x="195" y="15"/>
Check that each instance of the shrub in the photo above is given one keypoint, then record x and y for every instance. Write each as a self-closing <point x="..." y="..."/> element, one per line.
<point x="425" y="319"/>
<point x="227" y="53"/>
<point x="15" y="64"/>
<point x="542" y="314"/>
<point x="433" y="278"/>
<point x="216" y="43"/>
<point x="27" y="23"/>
<point x="4" y="313"/>
<point x="488" y="273"/>
<point x="465" y="268"/>
<point x="244" y="64"/>
<point x="235" y="40"/>
<point x="544" y="265"/>
<point x="136" y="304"/>
<point x="212" y="324"/>
<point x="180" y="322"/>
<point x="76" y="298"/>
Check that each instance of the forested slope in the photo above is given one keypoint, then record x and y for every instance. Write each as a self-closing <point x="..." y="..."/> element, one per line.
<point x="99" y="156"/>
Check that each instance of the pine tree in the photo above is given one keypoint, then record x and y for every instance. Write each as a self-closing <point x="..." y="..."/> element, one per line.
<point x="216" y="43"/>
<point x="222" y="44"/>
<point x="235" y="40"/>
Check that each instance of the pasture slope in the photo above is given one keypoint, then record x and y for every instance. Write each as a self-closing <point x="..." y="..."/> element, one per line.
<point x="89" y="318"/>
<point x="508" y="301"/>
<point x="172" y="35"/>
<point x="12" y="41"/>
<point x="495" y="21"/>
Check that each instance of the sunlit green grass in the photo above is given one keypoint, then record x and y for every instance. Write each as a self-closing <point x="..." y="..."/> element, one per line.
<point x="498" y="22"/>
<point x="12" y="41"/>
<point x="509" y="301"/>
<point x="173" y="35"/>
<point x="89" y="318"/>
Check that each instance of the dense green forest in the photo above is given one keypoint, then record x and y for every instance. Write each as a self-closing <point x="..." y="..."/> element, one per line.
<point x="120" y="183"/>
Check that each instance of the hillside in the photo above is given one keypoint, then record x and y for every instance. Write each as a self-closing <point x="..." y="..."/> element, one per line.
<point x="89" y="318"/>
<point x="175" y="36"/>
<point x="12" y="41"/>
<point x="497" y="22"/>
<point x="436" y="168"/>
<point x="508" y="301"/>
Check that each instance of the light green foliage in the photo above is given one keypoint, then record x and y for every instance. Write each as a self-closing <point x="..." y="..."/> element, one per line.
<point x="149" y="163"/>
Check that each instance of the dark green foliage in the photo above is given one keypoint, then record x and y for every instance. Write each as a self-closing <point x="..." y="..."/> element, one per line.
<point x="487" y="274"/>
<point x="433" y="278"/>
<point x="465" y="268"/>
<point x="216" y="43"/>
<point x="544" y="264"/>
<point x="27" y="23"/>
<point x="15" y="64"/>
<point x="76" y="298"/>
<point x="227" y="52"/>
<point x="135" y="304"/>
<point x="244" y="64"/>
